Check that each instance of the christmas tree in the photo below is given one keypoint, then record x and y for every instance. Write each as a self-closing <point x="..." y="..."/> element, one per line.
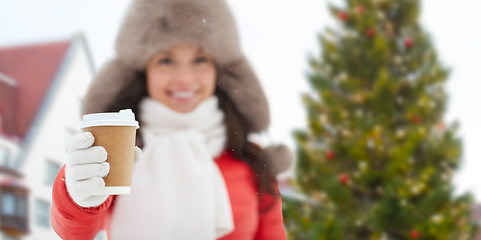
<point x="377" y="158"/>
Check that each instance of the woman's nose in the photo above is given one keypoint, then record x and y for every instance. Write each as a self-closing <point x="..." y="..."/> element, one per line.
<point x="184" y="74"/>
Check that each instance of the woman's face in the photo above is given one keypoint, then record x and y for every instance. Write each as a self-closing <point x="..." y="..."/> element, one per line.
<point x="181" y="78"/>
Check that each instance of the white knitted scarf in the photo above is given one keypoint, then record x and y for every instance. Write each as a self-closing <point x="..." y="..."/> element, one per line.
<point x="178" y="192"/>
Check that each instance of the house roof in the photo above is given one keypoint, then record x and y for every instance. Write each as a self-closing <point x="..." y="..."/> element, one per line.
<point x="30" y="71"/>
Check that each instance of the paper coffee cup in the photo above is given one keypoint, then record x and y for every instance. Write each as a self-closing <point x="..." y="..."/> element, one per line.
<point x="115" y="131"/>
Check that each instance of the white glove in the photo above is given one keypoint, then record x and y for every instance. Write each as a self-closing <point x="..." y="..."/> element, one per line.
<point x="85" y="169"/>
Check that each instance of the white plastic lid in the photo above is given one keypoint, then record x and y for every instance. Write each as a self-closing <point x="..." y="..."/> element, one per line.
<point x="124" y="117"/>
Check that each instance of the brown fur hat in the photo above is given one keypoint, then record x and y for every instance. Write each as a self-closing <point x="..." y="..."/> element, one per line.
<point x="151" y="26"/>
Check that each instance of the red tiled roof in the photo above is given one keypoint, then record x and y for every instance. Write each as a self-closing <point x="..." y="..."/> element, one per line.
<point x="33" y="67"/>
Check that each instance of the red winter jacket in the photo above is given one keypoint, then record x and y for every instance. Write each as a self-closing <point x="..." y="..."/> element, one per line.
<point x="71" y="221"/>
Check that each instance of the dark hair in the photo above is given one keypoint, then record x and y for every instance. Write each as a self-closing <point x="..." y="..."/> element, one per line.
<point x="136" y="89"/>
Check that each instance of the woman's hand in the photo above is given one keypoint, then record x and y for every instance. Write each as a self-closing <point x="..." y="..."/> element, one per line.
<point x="85" y="169"/>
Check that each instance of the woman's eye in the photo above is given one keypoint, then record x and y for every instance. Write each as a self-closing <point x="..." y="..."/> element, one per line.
<point x="201" y="60"/>
<point x="165" y="61"/>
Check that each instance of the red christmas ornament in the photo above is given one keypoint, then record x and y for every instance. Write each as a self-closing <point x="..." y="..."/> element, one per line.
<point x="417" y="119"/>
<point x="414" y="234"/>
<point x="330" y="155"/>
<point x="408" y="42"/>
<point x="342" y="16"/>
<point x="370" y="32"/>
<point x="344" y="178"/>
<point x="360" y="9"/>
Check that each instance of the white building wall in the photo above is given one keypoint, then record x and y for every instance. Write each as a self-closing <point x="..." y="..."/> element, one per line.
<point x="60" y="121"/>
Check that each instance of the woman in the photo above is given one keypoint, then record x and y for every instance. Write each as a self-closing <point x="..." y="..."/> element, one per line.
<point x="180" y="68"/>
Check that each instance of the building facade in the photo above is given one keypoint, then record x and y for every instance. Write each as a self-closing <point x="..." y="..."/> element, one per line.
<point x="41" y="90"/>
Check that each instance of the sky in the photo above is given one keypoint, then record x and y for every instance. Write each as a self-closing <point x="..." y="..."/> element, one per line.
<point x="278" y="37"/>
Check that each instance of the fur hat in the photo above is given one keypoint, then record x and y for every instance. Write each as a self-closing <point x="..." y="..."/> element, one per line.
<point x="151" y="26"/>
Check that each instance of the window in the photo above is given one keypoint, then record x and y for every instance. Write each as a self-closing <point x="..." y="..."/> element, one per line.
<point x="42" y="213"/>
<point x="8" y="204"/>
<point x="22" y="207"/>
<point x="4" y="157"/>
<point x="52" y="169"/>
<point x="14" y="208"/>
